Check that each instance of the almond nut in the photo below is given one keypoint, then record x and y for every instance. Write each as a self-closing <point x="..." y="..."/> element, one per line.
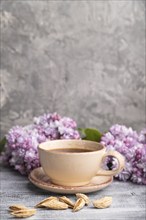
<point x="23" y="213"/>
<point x="41" y="204"/>
<point x="17" y="207"/>
<point x="83" y="196"/>
<point x="103" y="202"/>
<point x="55" y="204"/>
<point x="67" y="201"/>
<point x="79" y="205"/>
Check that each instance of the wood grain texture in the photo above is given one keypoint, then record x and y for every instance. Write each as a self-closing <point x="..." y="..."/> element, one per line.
<point x="128" y="200"/>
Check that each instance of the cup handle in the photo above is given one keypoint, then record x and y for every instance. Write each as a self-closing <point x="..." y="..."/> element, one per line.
<point x="121" y="164"/>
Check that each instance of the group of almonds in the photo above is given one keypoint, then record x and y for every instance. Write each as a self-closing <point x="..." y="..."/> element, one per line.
<point x="60" y="203"/>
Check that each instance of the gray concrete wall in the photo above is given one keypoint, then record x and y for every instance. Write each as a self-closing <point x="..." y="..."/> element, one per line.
<point x="83" y="59"/>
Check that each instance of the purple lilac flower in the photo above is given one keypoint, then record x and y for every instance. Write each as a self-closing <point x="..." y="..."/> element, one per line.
<point x="133" y="146"/>
<point x="21" y="149"/>
<point x="142" y="136"/>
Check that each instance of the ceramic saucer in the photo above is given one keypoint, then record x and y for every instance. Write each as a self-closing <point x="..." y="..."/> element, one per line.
<point x="39" y="179"/>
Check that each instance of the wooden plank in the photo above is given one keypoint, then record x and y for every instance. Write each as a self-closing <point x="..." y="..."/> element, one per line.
<point x="128" y="200"/>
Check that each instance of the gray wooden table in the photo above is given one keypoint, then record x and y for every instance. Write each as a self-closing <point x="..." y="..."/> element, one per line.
<point x="128" y="200"/>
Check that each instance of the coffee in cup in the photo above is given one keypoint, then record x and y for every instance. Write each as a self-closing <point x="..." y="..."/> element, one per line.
<point x="75" y="162"/>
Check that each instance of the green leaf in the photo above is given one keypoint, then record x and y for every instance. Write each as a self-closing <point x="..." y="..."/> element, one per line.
<point x="91" y="134"/>
<point x="2" y="144"/>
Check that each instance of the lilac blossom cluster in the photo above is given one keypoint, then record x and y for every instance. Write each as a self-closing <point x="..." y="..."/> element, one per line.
<point x="21" y="149"/>
<point x="133" y="146"/>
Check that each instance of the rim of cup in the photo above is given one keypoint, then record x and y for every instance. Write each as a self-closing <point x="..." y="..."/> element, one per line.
<point x="48" y="146"/>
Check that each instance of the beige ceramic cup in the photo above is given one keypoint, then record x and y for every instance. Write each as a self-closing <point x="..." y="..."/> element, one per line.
<point x="75" y="169"/>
